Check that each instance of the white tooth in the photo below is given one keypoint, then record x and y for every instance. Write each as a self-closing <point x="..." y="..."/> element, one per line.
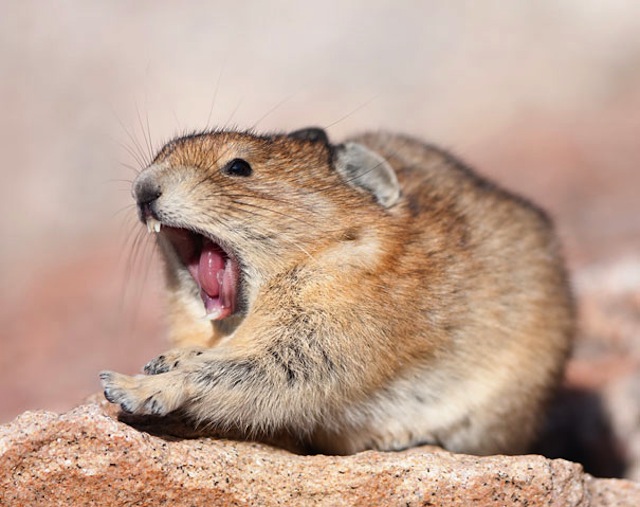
<point x="153" y="225"/>
<point x="214" y="315"/>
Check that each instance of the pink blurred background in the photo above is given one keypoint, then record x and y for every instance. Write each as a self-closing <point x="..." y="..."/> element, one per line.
<point x="543" y="96"/>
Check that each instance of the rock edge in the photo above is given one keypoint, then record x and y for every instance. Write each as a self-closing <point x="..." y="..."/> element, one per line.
<point x="88" y="457"/>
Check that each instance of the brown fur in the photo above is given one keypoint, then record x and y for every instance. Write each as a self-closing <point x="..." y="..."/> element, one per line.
<point x="442" y="318"/>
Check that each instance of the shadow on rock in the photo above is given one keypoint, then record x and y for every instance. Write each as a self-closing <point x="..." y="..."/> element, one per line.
<point x="177" y="426"/>
<point x="578" y="428"/>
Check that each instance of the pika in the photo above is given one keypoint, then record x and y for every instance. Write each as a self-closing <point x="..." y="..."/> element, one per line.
<point x="371" y="294"/>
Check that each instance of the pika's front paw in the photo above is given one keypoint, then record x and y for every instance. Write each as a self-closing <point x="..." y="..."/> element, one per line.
<point x="171" y="360"/>
<point x="136" y="395"/>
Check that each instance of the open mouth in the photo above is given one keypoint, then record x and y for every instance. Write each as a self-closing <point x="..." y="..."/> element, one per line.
<point x="214" y="270"/>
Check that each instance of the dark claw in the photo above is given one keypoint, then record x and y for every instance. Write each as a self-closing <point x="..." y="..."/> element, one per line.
<point x="154" y="407"/>
<point x="105" y="378"/>
<point x="156" y="366"/>
<point x="108" y="396"/>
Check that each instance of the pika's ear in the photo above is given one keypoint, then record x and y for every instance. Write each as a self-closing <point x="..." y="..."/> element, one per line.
<point x="313" y="134"/>
<point x="362" y="168"/>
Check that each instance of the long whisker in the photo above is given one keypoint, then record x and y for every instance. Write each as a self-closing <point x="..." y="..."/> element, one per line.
<point x="352" y="112"/>
<point x="271" y="110"/>
<point x="151" y="149"/>
<point x="138" y="241"/>
<point x="147" y="249"/>
<point x="295" y="205"/>
<point x="208" y="168"/>
<point x="138" y="156"/>
<point x="130" y="235"/>
<point x="130" y="246"/>
<point x="133" y="286"/>
<point x="124" y="208"/>
<point x="130" y="167"/>
<point x="134" y="154"/>
<point x="118" y="180"/>
<point x="297" y="245"/>
<point x="230" y="212"/>
<point x="213" y="100"/>
<point x="233" y="113"/>
<point x="179" y="126"/>
<point x="270" y="210"/>
<point x="147" y="158"/>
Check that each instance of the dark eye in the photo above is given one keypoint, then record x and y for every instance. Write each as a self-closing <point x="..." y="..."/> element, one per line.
<point x="237" y="167"/>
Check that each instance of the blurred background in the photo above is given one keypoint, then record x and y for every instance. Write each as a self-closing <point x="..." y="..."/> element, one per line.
<point x="542" y="96"/>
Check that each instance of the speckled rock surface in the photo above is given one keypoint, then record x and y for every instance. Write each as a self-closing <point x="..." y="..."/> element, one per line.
<point x="88" y="457"/>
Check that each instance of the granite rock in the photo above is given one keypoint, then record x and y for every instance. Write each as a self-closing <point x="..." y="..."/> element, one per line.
<point x="88" y="457"/>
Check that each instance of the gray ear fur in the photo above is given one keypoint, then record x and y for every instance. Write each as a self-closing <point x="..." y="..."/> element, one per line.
<point x="363" y="168"/>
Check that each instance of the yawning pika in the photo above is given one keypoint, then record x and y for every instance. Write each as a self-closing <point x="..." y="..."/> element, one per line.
<point x="373" y="294"/>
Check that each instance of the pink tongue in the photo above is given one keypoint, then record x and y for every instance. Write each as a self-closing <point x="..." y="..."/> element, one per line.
<point x="211" y="263"/>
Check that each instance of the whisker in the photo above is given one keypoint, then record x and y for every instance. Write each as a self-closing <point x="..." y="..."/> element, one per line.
<point x="124" y="208"/>
<point x="208" y="168"/>
<point x="133" y="287"/>
<point x="271" y="110"/>
<point x="179" y="126"/>
<point x="297" y="245"/>
<point x="259" y="197"/>
<point x="138" y="240"/>
<point x="233" y="113"/>
<point x="151" y="149"/>
<point x="270" y="210"/>
<point x="129" y="166"/>
<point x="128" y="249"/>
<point x="352" y="112"/>
<point x="281" y="237"/>
<point x="118" y="180"/>
<point x="138" y="156"/>
<point x="148" y="249"/>
<point x="148" y="156"/>
<point x="213" y="100"/>
<point x="130" y="236"/>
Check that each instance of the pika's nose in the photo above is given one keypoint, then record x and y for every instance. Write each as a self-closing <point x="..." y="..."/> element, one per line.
<point x="146" y="192"/>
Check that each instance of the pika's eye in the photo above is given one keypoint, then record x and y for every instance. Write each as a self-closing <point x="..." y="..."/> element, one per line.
<point x="237" y="167"/>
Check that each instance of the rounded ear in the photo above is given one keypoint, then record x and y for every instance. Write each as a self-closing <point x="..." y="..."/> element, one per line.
<point x="313" y="134"/>
<point x="362" y="168"/>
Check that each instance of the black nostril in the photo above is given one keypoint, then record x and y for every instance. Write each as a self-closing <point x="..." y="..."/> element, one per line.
<point x="146" y="193"/>
<point x="145" y="211"/>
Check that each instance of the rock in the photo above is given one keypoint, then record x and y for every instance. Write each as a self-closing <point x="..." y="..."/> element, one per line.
<point x="606" y="362"/>
<point x="88" y="457"/>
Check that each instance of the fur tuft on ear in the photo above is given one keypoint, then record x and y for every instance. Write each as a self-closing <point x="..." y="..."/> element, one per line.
<point x="313" y="134"/>
<point x="362" y="168"/>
